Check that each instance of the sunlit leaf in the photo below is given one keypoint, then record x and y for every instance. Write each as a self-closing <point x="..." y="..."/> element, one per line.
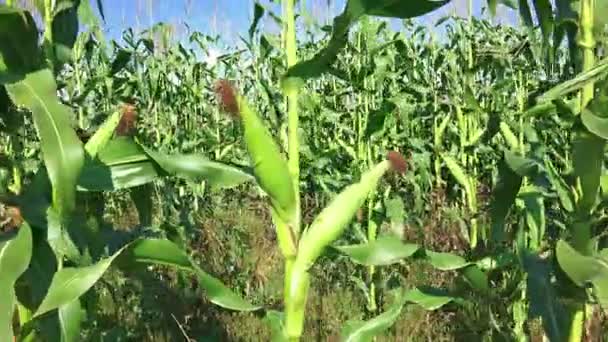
<point x="62" y="150"/>
<point x="384" y="250"/>
<point x="15" y="255"/>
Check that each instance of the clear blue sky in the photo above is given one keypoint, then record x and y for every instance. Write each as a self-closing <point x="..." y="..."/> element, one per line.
<point x="230" y="18"/>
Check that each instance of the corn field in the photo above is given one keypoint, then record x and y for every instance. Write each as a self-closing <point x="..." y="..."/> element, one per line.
<point x="372" y="178"/>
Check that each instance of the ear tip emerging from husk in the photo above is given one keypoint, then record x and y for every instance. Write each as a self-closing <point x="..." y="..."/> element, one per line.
<point x="227" y="96"/>
<point x="398" y="162"/>
<point x="128" y="120"/>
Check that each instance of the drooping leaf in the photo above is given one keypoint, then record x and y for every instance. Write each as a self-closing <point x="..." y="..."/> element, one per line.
<point x="428" y="298"/>
<point x="197" y="168"/>
<point x="587" y="159"/>
<point x="69" y="283"/>
<point x="595" y="116"/>
<point x="86" y="15"/>
<point x="258" y="13"/>
<point x="384" y="250"/>
<point x="15" y="255"/>
<point x="477" y="278"/>
<point x="65" y="32"/>
<point x="19" y="51"/>
<point x="353" y="11"/>
<point x="560" y="185"/>
<point x="70" y="317"/>
<point x="62" y="151"/>
<point x="544" y="13"/>
<point x="535" y="215"/>
<point x="599" y="71"/>
<point x="123" y="163"/>
<point x="377" y="118"/>
<point x="525" y="13"/>
<point x="276" y="321"/>
<point x="123" y="57"/>
<point x="543" y="299"/>
<point x="584" y="270"/>
<point x="503" y="197"/>
<point x="457" y="171"/>
<point x="446" y="261"/>
<point x="357" y="331"/>
<point x="164" y="252"/>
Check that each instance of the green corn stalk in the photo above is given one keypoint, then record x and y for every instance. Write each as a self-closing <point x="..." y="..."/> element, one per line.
<point x="470" y="195"/>
<point x="582" y="233"/>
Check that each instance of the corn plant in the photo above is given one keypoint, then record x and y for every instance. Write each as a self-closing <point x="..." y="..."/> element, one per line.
<point x="44" y="271"/>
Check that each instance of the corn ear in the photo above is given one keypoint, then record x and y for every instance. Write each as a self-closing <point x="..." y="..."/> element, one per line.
<point x="332" y="221"/>
<point x="102" y="135"/>
<point x="509" y="136"/>
<point x="269" y="166"/>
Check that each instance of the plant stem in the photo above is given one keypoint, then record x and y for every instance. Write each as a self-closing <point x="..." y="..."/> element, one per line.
<point x="586" y="42"/>
<point x="48" y="20"/>
<point x="292" y="109"/>
<point x="296" y="290"/>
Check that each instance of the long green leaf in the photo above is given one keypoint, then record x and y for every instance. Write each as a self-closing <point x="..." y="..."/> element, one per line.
<point x="70" y="283"/>
<point x="353" y="11"/>
<point x="543" y="299"/>
<point x="164" y="252"/>
<point x="62" y="150"/>
<point x="503" y="197"/>
<point x="384" y="250"/>
<point x="594" y="74"/>
<point x="19" y="52"/>
<point x="428" y="298"/>
<point x="15" y="255"/>
<point x="583" y="270"/>
<point x="587" y="159"/>
<point x="197" y="168"/>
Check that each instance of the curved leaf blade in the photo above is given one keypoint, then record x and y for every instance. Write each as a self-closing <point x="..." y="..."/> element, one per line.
<point x="385" y="250"/>
<point x="62" y="151"/>
<point x="197" y="168"/>
<point x="446" y="261"/>
<point x="15" y="255"/>
<point x="165" y="252"/>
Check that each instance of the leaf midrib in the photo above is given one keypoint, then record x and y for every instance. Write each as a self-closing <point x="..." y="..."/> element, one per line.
<point x="48" y="112"/>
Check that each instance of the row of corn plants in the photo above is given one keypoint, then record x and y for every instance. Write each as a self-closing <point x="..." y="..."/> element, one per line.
<point x="530" y="109"/>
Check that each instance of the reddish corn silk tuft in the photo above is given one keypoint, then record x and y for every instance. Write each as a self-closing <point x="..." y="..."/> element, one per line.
<point x="398" y="162"/>
<point x="126" y="126"/>
<point x="226" y="94"/>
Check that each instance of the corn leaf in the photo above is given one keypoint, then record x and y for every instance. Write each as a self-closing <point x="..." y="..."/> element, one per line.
<point x="197" y="168"/>
<point x="503" y="197"/>
<point x="584" y="270"/>
<point x="599" y="71"/>
<point x="70" y="283"/>
<point x="123" y="163"/>
<point x="587" y="159"/>
<point x="384" y="250"/>
<point x="446" y="261"/>
<point x="62" y="151"/>
<point x="354" y="10"/>
<point x="19" y="52"/>
<point x="428" y="298"/>
<point x="543" y="299"/>
<point x="15" y="255"/>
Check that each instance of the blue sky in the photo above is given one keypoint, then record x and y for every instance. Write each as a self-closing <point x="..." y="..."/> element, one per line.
<point x="229" y="18"/>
